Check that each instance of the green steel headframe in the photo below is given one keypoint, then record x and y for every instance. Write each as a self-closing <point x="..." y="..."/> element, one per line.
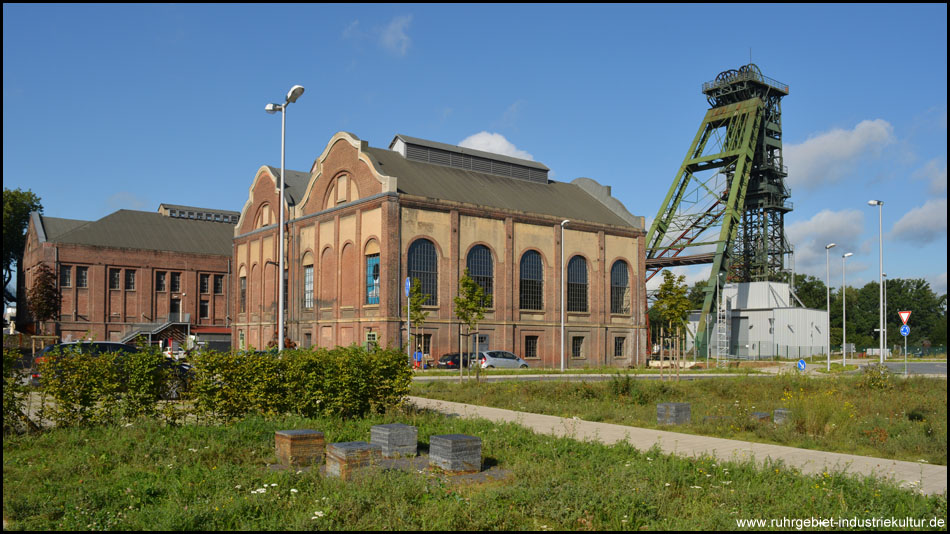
<point x="728" y="200"/>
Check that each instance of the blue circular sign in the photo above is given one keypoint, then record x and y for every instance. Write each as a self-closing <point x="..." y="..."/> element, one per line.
<point x="801" y="365"/>
<point x="905" y="330"/>
<point x="408" y="283"/>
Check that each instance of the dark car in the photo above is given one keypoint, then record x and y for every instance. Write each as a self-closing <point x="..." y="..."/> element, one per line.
<point x="451" y="361"/>
<point x="181" y="372"/>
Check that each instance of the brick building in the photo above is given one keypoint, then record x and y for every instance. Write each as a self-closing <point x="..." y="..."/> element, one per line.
<point x="364" y="218"/>
<point x="161" y="274"/>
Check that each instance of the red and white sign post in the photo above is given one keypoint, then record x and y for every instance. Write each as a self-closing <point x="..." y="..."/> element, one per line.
<point x="905" y="315"/>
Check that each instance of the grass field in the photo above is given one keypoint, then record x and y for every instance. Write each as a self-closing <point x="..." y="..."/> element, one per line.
<point x="904" y="419"/>
<point x="148" y="476"/>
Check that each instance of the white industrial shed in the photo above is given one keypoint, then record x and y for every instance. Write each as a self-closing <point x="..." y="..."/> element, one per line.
<point x="763" y="323"/>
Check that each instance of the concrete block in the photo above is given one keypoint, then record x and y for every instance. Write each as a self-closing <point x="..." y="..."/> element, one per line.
<point x="781" y="416"/>
<point x="673" y="413"/>
<point x="456" y="453"/>
<point x="343" y="459"/>
<point x="299" y="447"/>
<point x="761" y="416"/>
<point x="395" y="439"/>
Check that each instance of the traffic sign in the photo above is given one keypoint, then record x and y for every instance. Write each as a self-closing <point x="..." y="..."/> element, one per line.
<point x="408" y="283"/>
<point x="905" y="330"/>
<point x="905" y="315"/>
<point x="801" y="365"/>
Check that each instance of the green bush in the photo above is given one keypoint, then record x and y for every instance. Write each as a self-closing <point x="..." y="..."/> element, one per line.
<point x="14" y="391"/>
<point x="876" y="376"/>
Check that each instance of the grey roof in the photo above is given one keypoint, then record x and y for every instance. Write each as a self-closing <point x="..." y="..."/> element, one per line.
<point x="470" y="151"/>
<point x="193" y="208"/>
<point x="143" y="230"/>
<point x="555" y="199"/>
<point x="295" y="184"/>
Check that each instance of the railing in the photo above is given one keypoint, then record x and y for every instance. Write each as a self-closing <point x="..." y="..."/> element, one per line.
<point x="742" y="76"/>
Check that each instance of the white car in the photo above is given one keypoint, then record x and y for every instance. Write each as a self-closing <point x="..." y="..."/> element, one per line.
<point x="500" y="359"/>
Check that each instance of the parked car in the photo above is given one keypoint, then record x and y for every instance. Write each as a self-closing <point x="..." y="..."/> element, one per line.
<point x="181" y="372"/>
<point x="501" y="359"/>
<point x="451" y="361"/>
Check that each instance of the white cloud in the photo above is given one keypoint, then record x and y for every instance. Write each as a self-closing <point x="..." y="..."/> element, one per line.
<point x="393" y="36"/>
<point x="924" y="224"/>
<point x="936" y="174"/>
<point x="352" y="30"/>
<point x="123" y="200"/>
<point x="830" y="156"/>
<point x="809" y="238"/>
<point x="494" y="143"/>
<point x="938" y="283"/>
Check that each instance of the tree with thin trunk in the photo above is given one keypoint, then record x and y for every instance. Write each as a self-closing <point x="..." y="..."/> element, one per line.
<point x="672" y="303"/>
<point x="470" y="306"/>
<point x="416" y="316"/>
<point x="44" y="296"/>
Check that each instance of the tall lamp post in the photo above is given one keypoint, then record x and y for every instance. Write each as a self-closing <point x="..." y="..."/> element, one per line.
<point x="828" y="247"/>
<point x="844" y="314"/>
<point x="563" y="291"/>
<point x="292" y="97"/>
<point x="884" y="332"/>
<point x="880" y="228"/>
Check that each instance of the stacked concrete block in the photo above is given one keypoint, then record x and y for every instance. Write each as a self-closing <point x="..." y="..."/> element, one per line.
<point x="299" y="447"/>
<point x="343" y="459"/>
<point x="761" y="416"/>
<point x="781" y="416"/>
<point x="673" y="413"/>
<point x="456" y="453"/>
<point x="396" y="440"/>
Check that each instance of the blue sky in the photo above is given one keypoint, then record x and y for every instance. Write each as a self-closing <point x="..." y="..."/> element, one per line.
<point x="108" y="106"/>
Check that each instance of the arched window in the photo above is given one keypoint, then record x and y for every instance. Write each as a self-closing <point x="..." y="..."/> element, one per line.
<point x="619" y="288"/>
<point x="423" y="264"/>
<point x="481" y="269"/>
<point x="577" y="284"/>
<point x="532" y="281"/>
<point x="372" y="272"/>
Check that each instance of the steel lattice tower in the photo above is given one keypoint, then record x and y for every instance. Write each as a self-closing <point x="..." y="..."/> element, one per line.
<point x="728" y="200"/>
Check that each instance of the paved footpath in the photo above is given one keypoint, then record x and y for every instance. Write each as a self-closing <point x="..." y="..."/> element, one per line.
<point x="931" y="479"/>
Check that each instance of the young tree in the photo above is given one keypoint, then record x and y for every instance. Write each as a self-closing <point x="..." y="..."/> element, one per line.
<point x="470" y="306"/>
<point x="416" y="299"/>
<point x="672" y="303"/>
<point x="17" y="205"/>
<point x="44" y="296"/>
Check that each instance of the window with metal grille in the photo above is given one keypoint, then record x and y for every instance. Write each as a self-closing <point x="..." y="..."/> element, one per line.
<point x="218" y="284"/>
<point x="577" y="284"/>
<point x="286" y="290"/>
<point x="423" y="264"/>
<point x="243" y="283"/>
<point x="372" y="279"/>
<point x="176" y="282"/>
<point x="577" y="347"/>
<point x="203" y="309"/>
<point x="618" y="346"/>
<point x="160" y="281"/>
<point x="114" y="278"/>
<point x="203" y="282"/>
<point x="308" y="287"/>
<point x="82" y="276"/>
<point x="531" y="346"/>
<point x="481" y="269"/>
<point x="619" y="288"/>
<point x="130" y="279"/>
<point x="532" y="281"/>
<point x="65" y="275"/>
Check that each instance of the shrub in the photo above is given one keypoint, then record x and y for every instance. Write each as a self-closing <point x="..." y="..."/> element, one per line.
<point x="876" y="376"/>
<point x="14" y="391"/>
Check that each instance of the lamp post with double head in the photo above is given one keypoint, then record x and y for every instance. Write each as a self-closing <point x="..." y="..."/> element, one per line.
<point x="844" y="313"/>
<point x="880" y="228"/>
<point x="292" y="97"/>
<point x="828" y="247"/>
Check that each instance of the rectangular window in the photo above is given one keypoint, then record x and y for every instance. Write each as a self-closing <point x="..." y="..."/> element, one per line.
<point x="531" y="346"/>
<point x="372" y="279"/>
<point x="203" y="309"/>
<point x="243" y="283"/>
<point x="176" y="282"/>
<point x="577" y="347"/>
<point x="286" y="291"/>
<point x="618" y="347"/>
<point x="130" y="279"/>
<point x="241" y="337"/>
<point x="65" y="276"/>
<point x="308" y="287"/>
<point x="82" y="277"/>
<point x="219" y="284"/>
<point x="203" y="281"/>
<point x="160" y="281"/>
<point x="114" y="279"/>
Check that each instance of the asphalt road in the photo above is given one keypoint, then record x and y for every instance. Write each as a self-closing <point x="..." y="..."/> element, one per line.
<point x="918" y="368"/>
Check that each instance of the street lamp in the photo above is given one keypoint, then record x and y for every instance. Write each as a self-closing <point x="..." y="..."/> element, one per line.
<point x="828" y="247"/>
<point x="292" y="97"/>
<point x="563" y="291"/>
<point x="880" y="228"/>
<point x="884" y="332"/>
<point x="844" y="314"/>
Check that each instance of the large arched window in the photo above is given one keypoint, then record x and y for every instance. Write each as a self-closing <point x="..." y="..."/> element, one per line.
<point x="532" y="281"/>
<point x="577" y="284"/>
<point x="619" y="288"/>
<point x="423" y="264"/>
<point x="481" y="269"/>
